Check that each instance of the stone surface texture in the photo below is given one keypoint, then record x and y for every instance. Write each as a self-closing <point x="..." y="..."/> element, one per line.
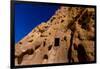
<point x="67" y="37"/>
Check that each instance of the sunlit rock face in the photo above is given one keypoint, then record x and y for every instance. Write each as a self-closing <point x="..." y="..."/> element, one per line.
<point x="67" y="37"/>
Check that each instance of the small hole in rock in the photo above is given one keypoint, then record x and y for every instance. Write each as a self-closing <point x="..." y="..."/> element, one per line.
<point x="46" y="26"/>
<point x="62" y="21"/>
<point x="65" y="38"/>
<point x="45" y="56"/>
<point x="49" y="48"/>
<point x="44" y="43"/>
<point x="32" y="36"/>
<point x="49" y="33"/>
<point x="30" y="51"/>
<point x="20" y="42"/>
<point x="52" y="19"/>
<point x="37" y="47"/>
<point x="30" y="40"/>
<point x="43" y="35"/>
<point x="45" y="39"/>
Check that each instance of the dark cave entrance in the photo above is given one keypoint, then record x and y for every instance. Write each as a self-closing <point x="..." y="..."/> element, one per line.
<point x="57" y="42"/>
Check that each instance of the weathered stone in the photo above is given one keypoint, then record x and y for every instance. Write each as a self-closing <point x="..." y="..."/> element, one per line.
<point x="64" y="38"/>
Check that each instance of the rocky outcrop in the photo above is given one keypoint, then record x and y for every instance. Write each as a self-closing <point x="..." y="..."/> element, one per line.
<point x="67" y="37"/>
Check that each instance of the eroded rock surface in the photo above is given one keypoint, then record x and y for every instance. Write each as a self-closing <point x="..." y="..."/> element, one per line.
<point x="67" y="37"/>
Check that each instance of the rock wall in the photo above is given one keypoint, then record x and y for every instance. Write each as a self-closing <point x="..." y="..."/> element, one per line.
<point x="67" y="37"/>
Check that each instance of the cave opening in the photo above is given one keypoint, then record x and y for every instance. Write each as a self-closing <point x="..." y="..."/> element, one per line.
<point x="57" y="42"/>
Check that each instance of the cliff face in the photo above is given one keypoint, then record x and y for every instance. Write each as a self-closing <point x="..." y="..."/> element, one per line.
<point x="67" y="37"/>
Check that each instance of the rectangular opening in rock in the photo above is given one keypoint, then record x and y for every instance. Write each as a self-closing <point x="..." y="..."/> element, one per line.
<point x="56" y="42"/>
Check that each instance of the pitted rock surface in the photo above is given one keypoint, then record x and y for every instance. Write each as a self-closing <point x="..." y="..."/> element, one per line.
<point x="67" y="37"/>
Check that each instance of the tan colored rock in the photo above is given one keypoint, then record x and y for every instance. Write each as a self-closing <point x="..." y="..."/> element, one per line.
<point x="66" y="37"/>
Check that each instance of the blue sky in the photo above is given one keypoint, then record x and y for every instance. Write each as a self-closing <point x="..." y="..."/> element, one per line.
<point x="28" y="15"/>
